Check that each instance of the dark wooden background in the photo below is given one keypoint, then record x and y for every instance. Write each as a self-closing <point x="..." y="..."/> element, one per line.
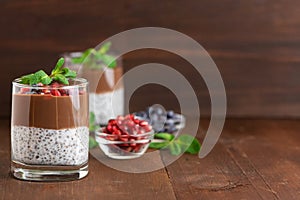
<point x="255" y="44"/>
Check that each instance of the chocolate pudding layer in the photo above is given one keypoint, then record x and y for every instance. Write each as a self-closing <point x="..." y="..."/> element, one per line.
<point x="103" y="81"/>
<point x="50" y="112"/>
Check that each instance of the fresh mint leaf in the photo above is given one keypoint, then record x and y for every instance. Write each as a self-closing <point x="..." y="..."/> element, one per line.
<point x="38" y="77"/>
<point x="164" y="136"/>
<point x="91" y="57"/>
<point x="83" y="58"/>
<point x="58" y="65"/>
<point x="109" y="60"/>
<point x="92" y="143"/>
<point x="41" y="77"/>
<point x="61" y="78"/>
<point x="158" y="145"/>
<point x="93" y="126"/>
<point x="188" y="144"/>
<point x="105" y="48"/>
<point x="77" y="60"/>
<point x="26" y="79"/>
<point x="92" y="118"/>
<point x="175" y="148"/>
<point x="69" y="73"/>
<point x="58" y="74"/>
<point x="184" y="143"/>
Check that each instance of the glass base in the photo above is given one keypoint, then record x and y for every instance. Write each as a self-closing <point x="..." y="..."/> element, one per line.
<point x="48" y="173"/>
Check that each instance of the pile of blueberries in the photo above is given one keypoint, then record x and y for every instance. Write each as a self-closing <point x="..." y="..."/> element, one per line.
<point x="162" y="120"/>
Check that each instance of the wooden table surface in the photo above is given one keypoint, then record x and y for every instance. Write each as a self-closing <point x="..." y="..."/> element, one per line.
<point x="254" y="159"/>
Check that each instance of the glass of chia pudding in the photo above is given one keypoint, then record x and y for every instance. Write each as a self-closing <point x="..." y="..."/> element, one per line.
<point x="104" y="73"/>
<point x="49" y="129"/>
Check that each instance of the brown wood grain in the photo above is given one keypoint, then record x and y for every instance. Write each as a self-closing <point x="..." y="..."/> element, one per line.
<point x="255" y="44"/>
<point x="254" y="159"/>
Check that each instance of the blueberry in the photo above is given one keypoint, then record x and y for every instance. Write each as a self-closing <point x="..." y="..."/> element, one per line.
<point x="34" y="91"/>
<point x="31" y="92"/>
<point x="142" y="114"/>
<point x="170" y="114"/>
<point x="172" y="129"/>
<point x="170" y="122"/>
<point x="177" y="116"/>
<point x="161" y="120"/>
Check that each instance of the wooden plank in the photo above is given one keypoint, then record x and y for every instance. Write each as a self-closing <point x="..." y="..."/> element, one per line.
<point x="215" y="177"/>
<point x="271" y="149"/>
<point x="254" y="159"/>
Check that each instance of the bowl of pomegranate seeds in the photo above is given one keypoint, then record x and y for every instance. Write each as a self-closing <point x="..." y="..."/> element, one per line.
<point x="125" y="137"/>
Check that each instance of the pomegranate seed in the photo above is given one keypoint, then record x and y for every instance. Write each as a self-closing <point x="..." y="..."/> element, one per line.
<point x="109" y="128"/>
<point x="120" y="118"/>
<point x="55" y="93"/>
<point x="132" y="144"/>
<point x="148" y="128"/>
<point x="144" y="123"/>
<point x="114" y="128"/>
<point x="112" y="122"/>
<point x="40" y="84"/>
<point x="137" y="121"/>
<point x="62" y="92"/>
<point x="124" y="139"/>
<point x="138" y="147"/>
<point x="24" y="90"/>
<point x="131" y="117"/>
<point x="46" y="91"/>
<point x="117" y="132"/>
<point x="127" y="129"/>
<point x="55" y="85"/>
<point x="81" y="92"/>
<point x="131" y="124"/>
<point x="129" y="149"/>
<point x="111" y="137"/>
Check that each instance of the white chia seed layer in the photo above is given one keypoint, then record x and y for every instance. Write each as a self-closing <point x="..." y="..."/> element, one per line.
<point x="101" y="105"/>
<point x="41" y="146"/>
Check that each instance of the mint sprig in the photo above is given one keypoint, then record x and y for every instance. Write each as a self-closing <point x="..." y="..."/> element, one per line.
<point x="93" y="127"/>
<point x="184" y="143"/>
<point x="62" y="74"/>
<point x="90" y="57"/>
<point x="35" y="78"/>
<point x="58" y="74"/>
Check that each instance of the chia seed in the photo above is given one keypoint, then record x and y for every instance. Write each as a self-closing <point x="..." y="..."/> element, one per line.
<point x="57" y="147"/>
<point x="101" y="105"/>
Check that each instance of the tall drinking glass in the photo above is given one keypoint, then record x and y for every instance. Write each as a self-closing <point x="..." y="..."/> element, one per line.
<point x="105" y="84"/>
<point x="49" y="131"/>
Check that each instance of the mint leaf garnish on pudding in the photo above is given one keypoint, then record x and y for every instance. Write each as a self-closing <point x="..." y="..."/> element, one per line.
<point x="91" y="57"/>
<point x="38" y="77"/>
<point x="58" y="74"/>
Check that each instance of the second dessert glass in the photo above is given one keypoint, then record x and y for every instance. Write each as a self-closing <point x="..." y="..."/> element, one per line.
<point x="103" y="85"/>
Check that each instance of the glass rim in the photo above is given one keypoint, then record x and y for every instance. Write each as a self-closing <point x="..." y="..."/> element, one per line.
<point x="75" y="54"/>
<point x="99" y="132"/>
<point x="78" y="82"/>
